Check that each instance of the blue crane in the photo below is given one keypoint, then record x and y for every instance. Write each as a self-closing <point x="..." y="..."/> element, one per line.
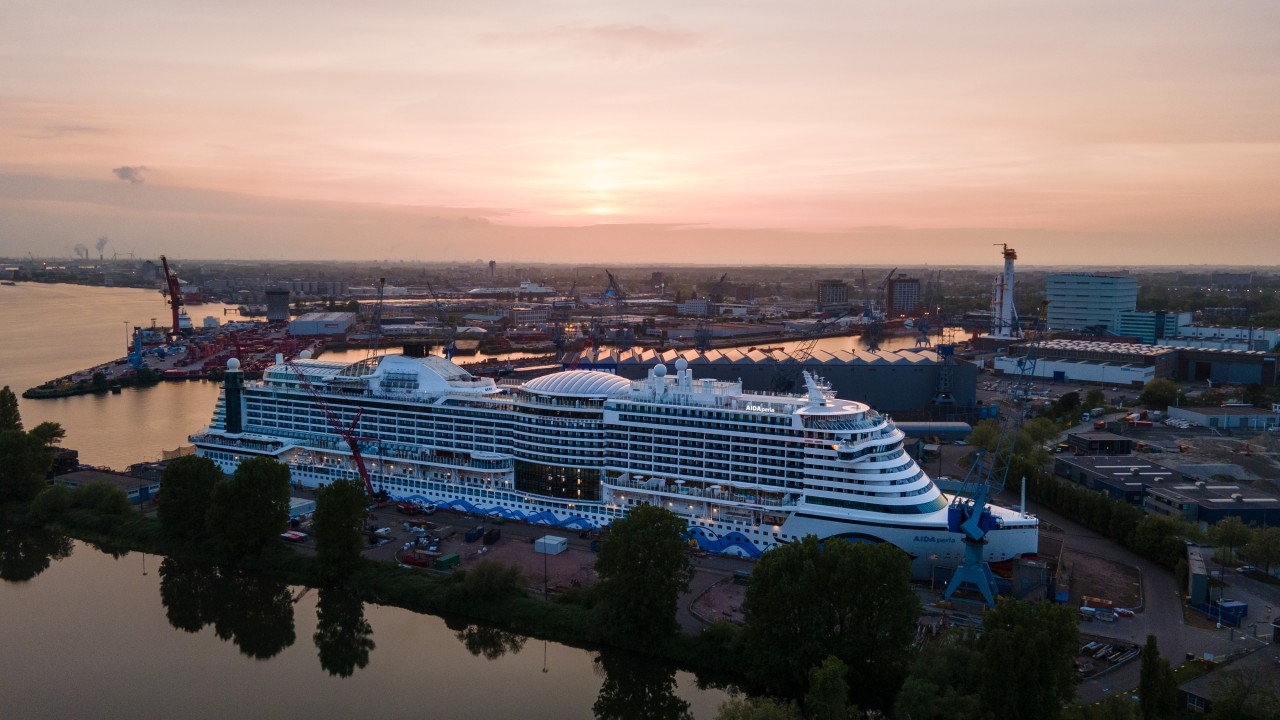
<point x="970" y="516"/>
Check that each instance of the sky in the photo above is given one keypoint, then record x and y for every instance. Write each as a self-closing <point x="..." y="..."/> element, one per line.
<point x="718" y="131"/>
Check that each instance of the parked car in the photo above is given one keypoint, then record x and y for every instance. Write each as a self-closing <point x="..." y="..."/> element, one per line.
<point x="1246" y="569"/>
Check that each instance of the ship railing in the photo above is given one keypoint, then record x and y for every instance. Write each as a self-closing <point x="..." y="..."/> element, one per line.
<point x="679" y="490"/>
<point x="212" y="439"/>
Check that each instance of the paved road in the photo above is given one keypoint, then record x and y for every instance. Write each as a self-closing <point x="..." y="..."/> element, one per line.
<point x="1161" y="614"/>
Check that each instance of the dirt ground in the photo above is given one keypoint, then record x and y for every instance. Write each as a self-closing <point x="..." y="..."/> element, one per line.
<point x="722" y="601"/>
<point x="574" y="566"/>
<point x="1102" y="578"/>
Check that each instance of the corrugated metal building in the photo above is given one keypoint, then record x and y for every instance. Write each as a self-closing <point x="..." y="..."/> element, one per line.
<point x="903" y="381"/>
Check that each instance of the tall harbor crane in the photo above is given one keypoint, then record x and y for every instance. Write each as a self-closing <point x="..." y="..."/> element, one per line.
<point x="615" y="292"/>
<point x="174" y="291"/>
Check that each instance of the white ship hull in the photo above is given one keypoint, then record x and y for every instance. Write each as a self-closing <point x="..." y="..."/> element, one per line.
<point x="746" y="472"/>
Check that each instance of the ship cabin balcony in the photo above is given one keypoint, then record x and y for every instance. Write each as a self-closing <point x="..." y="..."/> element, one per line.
<point x="682" y="488"/>
<point x="258" y="446"/>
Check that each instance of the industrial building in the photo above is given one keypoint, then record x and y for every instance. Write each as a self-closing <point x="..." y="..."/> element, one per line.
<point x="1208" y="501"/>
<point x="1099" y="443"/>
<point x="1223" y="337"/>
<point x="1111" y="363"/>
<point x="1152" y="328"/>
<point x="903" y="382"/>
<point x="1088" y="301"/>
<point x="322" y="323"/>
<point x="1167" y="490"/>
<point x="1244" y="417"/>
<point x="1122" y="477"/>
<point x="139" y="490"/>
<point x="1134" y="364"/>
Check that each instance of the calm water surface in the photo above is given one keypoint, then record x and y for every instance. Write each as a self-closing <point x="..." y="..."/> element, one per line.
<point x="96" y="636"/>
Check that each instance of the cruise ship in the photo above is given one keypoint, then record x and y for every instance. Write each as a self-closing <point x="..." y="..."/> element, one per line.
<point x="747" y="471"/>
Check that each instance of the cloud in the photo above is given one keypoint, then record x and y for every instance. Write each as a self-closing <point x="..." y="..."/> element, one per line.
<point x="616" y="40"/>
<point x="131" y="174"/>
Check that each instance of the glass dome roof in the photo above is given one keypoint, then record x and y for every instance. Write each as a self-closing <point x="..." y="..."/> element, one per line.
<point x="585" y="383"/>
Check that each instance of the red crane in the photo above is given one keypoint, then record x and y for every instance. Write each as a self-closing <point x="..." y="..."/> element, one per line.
<point x="174" y="291"/>
<point x="586" y="346"/>
<point x="347" y="433"/>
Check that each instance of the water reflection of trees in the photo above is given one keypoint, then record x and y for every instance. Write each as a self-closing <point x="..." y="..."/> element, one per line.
<point x="25" y="551"/>
<point x="486" y="640"/>
<point x="637" y="687"/>
<point x="343" y="637"/>
<point x="253" y="611"/>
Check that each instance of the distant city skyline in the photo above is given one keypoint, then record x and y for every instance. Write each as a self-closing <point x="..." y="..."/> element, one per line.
<point x="1087" y="133"/>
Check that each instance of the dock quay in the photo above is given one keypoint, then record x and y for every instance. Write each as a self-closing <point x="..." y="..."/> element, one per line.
<point x="199" y="357"/>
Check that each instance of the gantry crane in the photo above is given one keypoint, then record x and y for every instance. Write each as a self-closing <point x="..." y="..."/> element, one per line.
<point x="970" y="516"/>
<point x="174" y="291"/>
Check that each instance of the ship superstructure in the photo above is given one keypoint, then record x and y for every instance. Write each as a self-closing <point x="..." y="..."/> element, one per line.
<point x="577" y="449"/>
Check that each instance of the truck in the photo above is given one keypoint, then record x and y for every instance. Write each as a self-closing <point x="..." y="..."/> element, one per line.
<point x="1097" y="412"/>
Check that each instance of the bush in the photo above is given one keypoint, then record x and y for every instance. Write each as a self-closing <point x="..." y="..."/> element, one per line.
<point x="490" y="580"/>
<point x="102" y="498"/>
<point x="50" y="503"/>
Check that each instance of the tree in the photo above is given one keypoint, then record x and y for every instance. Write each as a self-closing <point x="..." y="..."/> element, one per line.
<point x="944" y="681"/>
<point x="24" y="463"/>
<point x="49" y="433"/>
<point x="758" y="708"/>
<point x="491" y="580"/>
<point x="828" y="696"/>
<point x="1095" y="398"/>
<point x="99" y="381"/>
<point x="1264" y="548"/>
<point x="252" y="508"/>
<point x="101" y="498"/>
<point x="1069" y="401"/>
<point x="643" y="567"/>
<point x="1157" y="690"/>
<point x="1231" y="533"/>
<point x="10" y="418"/>
<point x="811" y="599"/>
<point x="1245" y="694"/>
<point x="340" y="510"/>
<point x="1159" y="394"/>
<point x="1018" y="683"/>
<point x="186" y="491"/>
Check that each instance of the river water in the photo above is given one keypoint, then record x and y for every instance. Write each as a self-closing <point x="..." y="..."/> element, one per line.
<point x="140" y="637"/>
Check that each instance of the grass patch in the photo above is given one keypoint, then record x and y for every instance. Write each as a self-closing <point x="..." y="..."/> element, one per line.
<point x="1190" y="670"/>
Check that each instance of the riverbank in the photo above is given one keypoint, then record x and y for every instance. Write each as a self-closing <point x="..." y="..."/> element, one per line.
<point x="568" y="618"/>
<point x="143" y="378"/>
